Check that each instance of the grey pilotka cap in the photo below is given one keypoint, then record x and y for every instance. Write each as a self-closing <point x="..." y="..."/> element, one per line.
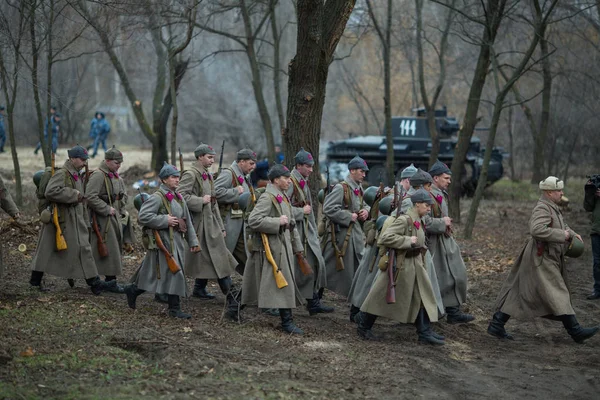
<point x="203" y="149"/>
<point x="278" y="170"/>
<point x="408" y="171"/>
<point x="304" y="157"/>
<point x="421" y="196"/>
<point x="439" y="168"/>
<point x="420" y="178"/>
<point x="78" y="152"/>
<point x="246" y="154"/>
<point x="113" y="154"/>
<point x="168" y="170"/>
<point x="358" y="163"/>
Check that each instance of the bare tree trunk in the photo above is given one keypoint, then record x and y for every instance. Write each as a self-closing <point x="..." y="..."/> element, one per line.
<point x="540" y="139"/>
<point x="511" y="148"/>
<point x="49" y="62"/>
<point x="565" y="175"/>
<point x="175" y="116"/>
<point x="276" y="66"/>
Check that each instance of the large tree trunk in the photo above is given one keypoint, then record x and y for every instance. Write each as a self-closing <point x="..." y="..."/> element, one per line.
<point x="511" y="146"/>
<point x="540" y="138"/>
<point x="320" y="27"/>
<point x="49" y="62"/>
<point x="276" y="66"/>
<point x="495" y="12"/>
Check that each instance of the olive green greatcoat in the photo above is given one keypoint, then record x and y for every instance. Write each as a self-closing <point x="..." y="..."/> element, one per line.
<point x="537" y="284"/>
<point x="77" y="261"/>
<point x="154" y="274"/>
<point x="306" y="226"/>
<point x="334" y="208"/>
<point x="227" y="196"/>
<point x="214" y="261"/>
<point x="104" y="191"/>
<point x="365" y="276"/>
<point x="9" y="206"/>
<point x="449" y="266"/>
<point x="258" y="286"/>
<point x="413" y="287"/>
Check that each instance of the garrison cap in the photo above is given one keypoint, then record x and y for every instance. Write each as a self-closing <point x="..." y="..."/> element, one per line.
<point x="552" y="183"/>
<point x="408" y="171"/>
<point x="421" y="196"/>
<point x="168" y="170"/>
<point x="113" y="154"/>
<point x="304" y="157"/>
<point x="278" y="170"/>
<point x="439" y="168"/>
<point x="358" y="163"/>
<point x="78" y="152"/>
<point x="246" y="154"/>
<point x="420" y="178"/>
<point x="203" y="149"/>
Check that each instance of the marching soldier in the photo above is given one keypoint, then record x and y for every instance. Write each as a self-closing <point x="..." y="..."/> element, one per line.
<point x="344" y="240"/>
<point x="111" y="227"/>
<point x="537" y="283"/>
<point x="213" y="261"/>
<point x="63" y="247"/>
<point x="269" y="280"/>
<point x="167" y="223"/>
<point x="229" y="185"/>
<point x="449" y="265"/>
<point x="301" y="201"/>
<point x="405" y="176"/>
<point x="413" y="300"/>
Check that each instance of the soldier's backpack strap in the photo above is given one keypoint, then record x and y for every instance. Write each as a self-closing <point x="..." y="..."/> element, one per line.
<point x="167" y="208"/>
<point x="436" y="208"/>
<point x="346" y="188"/>
<point x="298" y="193"/>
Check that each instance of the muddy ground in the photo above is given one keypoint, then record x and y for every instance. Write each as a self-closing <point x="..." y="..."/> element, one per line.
<point x="69" y="344"/>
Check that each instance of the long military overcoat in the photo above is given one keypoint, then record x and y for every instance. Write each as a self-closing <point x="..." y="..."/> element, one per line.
<point x="103" y="191"/>
<point x="449" y="266"/>
<point x="306" y="226"/>
<point x="9" y="206"/>
<point x="413" y="287"/>
<point x="537" y="284"/>
<point x="214" y="260"/>
<point x="339" y="214"/>
<point x="76" y="261"/>
<point x="259" y="286"/>
<point x="365" y="276"/>
<point x="154" y="274"/>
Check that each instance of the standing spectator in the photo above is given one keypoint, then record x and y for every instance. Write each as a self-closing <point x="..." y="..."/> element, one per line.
<point x="55" y="127"/>
<point x="93" y="134"/>
<point x="102" y="129"/>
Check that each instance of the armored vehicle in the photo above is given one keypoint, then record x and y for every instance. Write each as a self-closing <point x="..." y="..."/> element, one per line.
<point x="412" y="145"/>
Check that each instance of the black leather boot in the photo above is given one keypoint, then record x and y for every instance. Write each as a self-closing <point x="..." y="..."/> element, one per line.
<point x="320" y="292"/>
<point x="98" y="286"/>
<point x="426" y="334"/>
<point x="132" y="293"/>
<point x="36" y="281"/>
<point x="271" y="312"/>
<point x="314" y="306"/>
<point x="455" y="316"/>
<point x="161" y="298"/>
<point x="365" y="324"/>
<point x="496" y="326"/>
<point x="175" y="308"/>
<point x="287" y="322"/>
<point x="353" y="313"/>
<point x="71" y="282"/>
<point x="200" y="290"/>
<point x="577" y="332"/>
<point x="232" y="313"/>
<point x="117" y="289"/>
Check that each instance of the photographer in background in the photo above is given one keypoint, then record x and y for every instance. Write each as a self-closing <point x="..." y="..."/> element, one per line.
<point x="591" y="203"/>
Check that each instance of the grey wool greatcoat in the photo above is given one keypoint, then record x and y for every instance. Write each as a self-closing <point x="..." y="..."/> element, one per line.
<point x="76" y="261"/>
<point x="449" y="266"/>
<point x="259" y="286"/>
<point x="9" y="206"/>
<point x="537" y="284"/>
<point x="306" y="226"/>
<point x="413" y="287"/>
<point x="154" y="274"/>
<point x="103" y="191"/>
<point x="213" y="261"/>
<point x="339" y="213"/>
<point x="227" y="196"/>
<point x="365" y="276"/>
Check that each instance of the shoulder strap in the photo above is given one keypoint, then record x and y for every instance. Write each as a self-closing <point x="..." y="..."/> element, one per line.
<point x="298" y="193"/>
<point x="346" y="194"/>
<point x="234" y="181"/>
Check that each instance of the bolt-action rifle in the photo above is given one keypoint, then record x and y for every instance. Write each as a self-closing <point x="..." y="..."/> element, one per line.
<point x="61" y="243"/>
<point x="390" y="296"/>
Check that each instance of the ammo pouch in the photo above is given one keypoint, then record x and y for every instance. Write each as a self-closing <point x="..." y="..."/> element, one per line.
<point x="383" y="261"/>
<point x="46" y="215"/>
<point x="253" y="241"/>
<point x="321" y="227"/>
<point x="369" y="229"/>
<point x="148" y="240"/>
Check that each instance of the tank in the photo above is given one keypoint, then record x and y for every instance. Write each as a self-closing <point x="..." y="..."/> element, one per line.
<point x="412" y="145"/>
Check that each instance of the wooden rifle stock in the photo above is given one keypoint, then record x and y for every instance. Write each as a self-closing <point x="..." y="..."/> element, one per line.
<point x="61" y="243"/>
<point x="390" y="296"/>
<point x="102" y="248"/>
<point x="280" y="280"/>
<point x="171" y="263"/>
<point x="303" y="264"/>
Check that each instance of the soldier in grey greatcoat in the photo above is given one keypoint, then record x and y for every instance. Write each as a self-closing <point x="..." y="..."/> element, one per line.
<point x="9" y="206"/>
<point x="213" y="261"/>
<point x="111" y="225"/>
<point x="413" y="300"/>
<point x="537" y="285"/>
<point x="229" y="185"/>
<point x="449" y="265"/>
<point x="345" y="211"/>
<point x="66" y="195"/>
<point x="269" y="280"/>
<point x="300" y="197"/>
<point x="164" y="212"/>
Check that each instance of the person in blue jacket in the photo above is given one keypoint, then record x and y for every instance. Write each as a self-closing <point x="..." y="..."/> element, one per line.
<point x="102" y="129"/>
<point x="55" y="126"/>
<point x="93" y="133"/>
